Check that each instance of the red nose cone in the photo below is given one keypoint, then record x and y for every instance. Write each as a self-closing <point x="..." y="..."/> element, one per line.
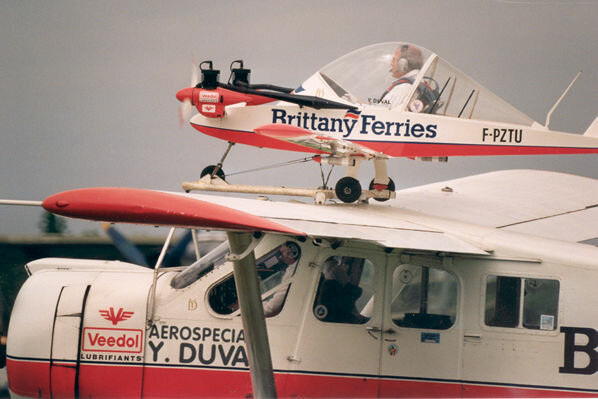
<point x="185" y="94"/>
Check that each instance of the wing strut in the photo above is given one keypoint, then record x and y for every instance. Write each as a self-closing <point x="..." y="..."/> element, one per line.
<point x="252" y="315"/>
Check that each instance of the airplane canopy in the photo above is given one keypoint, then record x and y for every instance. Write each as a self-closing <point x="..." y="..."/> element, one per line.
<point x="364" y="76"/>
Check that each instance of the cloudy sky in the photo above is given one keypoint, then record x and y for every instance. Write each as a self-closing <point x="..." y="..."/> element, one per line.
<point x="87" y="89"/>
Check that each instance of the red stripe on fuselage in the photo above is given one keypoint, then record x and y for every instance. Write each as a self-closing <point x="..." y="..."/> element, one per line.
<point x="446" y="150"/>
<point x="397" y="149"/>
<point x="31" y="378"/>
<point x="28" y="378"/>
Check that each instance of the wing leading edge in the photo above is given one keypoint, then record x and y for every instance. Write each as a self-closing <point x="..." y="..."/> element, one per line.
<point x="130" y="205"/>
<point x="364" y="223"/>
<point x="544" y="204"/>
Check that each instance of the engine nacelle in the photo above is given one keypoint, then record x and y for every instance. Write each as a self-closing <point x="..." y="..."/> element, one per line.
<point x="209" y="103"/>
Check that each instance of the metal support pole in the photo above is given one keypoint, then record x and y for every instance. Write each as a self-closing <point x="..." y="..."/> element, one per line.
<point x="252" y="315"/>
<point x="219" y="165"/>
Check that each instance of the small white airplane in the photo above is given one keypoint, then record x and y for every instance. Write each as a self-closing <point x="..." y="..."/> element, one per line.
<point x="382" y="101"/>
<point x="466" y="288"/>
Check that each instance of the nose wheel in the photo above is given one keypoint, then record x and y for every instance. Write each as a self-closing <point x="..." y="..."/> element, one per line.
<point x="213" y="171"/>
<point x="216" y="170"/>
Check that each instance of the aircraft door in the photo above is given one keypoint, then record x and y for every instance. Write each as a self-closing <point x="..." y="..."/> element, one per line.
<point x="421" y="333"/>
<point x="66" y="334"/>
<point x="338" y="350"/>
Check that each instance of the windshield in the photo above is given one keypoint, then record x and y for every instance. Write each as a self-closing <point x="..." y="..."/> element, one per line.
<point x="405" y="77"/>
<point x="367" y="73"/>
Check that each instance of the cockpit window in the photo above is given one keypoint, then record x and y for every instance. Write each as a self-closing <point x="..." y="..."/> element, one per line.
<point x="407" y="77"/>
<point x="457" y="95"/>
<point x="201" y="267"/>
<point x="365" y="76"/>
<point x="346" y="290"/>
<point x="275" y="270"/>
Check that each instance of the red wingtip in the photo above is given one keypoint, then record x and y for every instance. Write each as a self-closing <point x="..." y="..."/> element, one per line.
<point x="130" y="205"/>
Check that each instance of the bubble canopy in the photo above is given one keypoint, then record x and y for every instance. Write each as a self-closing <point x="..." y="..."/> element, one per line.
<point x="365" y="76"/>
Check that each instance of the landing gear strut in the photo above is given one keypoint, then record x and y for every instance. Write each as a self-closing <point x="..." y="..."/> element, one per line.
<point x="216" y="170"/>
<point x="381" y="187"/>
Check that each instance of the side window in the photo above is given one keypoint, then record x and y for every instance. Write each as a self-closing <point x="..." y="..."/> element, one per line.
<point x="346" y="290"/>
<point x="275" y="271"/>
<point x="504" y="301"/>
<point x="423" y="297"/>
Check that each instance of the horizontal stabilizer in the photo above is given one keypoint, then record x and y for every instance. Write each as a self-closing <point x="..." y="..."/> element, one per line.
<point x="156" y="208"/>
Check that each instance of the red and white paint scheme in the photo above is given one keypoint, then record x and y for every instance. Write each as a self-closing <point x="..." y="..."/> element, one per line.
<point x="476" y="287"/>
<point x="344" y="111"/>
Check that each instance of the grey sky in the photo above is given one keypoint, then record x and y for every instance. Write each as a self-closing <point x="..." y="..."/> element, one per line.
<point x="88" y="88"/>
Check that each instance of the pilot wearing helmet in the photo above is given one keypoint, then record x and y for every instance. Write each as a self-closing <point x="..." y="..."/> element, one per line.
<point x="404" y="67"/>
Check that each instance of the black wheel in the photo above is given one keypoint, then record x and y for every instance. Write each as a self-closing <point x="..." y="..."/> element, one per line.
<point x="348" y="189"/>
<point x="208" y="170"/>
<point x="391" y="187"/>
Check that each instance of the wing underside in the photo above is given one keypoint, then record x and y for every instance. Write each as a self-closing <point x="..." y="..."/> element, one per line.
<point x="312" y="141"/>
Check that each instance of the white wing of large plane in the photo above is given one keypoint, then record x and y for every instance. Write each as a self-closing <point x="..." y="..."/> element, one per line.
<point x="452" y="216"/>
<point x="541" y="203"/>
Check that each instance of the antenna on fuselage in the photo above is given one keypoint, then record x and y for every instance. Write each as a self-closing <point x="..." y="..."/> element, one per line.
<point x="560" y="99"/>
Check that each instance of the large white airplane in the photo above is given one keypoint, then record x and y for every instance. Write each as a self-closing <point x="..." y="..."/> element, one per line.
<point x="479" y="286"/>
<point x="472" y="287"/>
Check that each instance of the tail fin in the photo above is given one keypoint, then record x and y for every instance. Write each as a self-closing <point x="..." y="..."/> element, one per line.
<point x="592" y="131"/>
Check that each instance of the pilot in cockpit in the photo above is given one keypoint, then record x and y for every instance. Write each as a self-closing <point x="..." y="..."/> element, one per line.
<point x="404" y="67"/>
<point x="287" y="262"/>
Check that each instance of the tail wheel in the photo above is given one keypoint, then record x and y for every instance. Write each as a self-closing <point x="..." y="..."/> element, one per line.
<point x="348" y="189"/>
<point x="390" y="187"/>
<point x="209" y="170"/>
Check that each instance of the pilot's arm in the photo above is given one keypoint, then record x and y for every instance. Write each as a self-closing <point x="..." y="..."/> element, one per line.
<point x="273" y="306"/>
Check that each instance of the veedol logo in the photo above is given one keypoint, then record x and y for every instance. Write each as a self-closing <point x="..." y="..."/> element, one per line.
<point x="112" y="340"/>
<point x="208" y="108"/>
<point x="121" y="315"/>
<point x="208" y="97"/>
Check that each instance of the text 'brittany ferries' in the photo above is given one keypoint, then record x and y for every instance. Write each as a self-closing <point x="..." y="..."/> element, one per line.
<point x="365" y="124"/>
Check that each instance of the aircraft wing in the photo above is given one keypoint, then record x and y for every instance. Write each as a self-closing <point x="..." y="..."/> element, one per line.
<point x="138" y="206"/>
<point x="338" y="221"/>
<point x="310" y="140"/>
<point x="544" y="204"/>
<point x="541" y="203"/>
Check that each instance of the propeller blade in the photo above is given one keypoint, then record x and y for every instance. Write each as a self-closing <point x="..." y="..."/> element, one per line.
<point x="125" y="247"/>
<point x="175" y="254"/>
<point x="186" y="108"/>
